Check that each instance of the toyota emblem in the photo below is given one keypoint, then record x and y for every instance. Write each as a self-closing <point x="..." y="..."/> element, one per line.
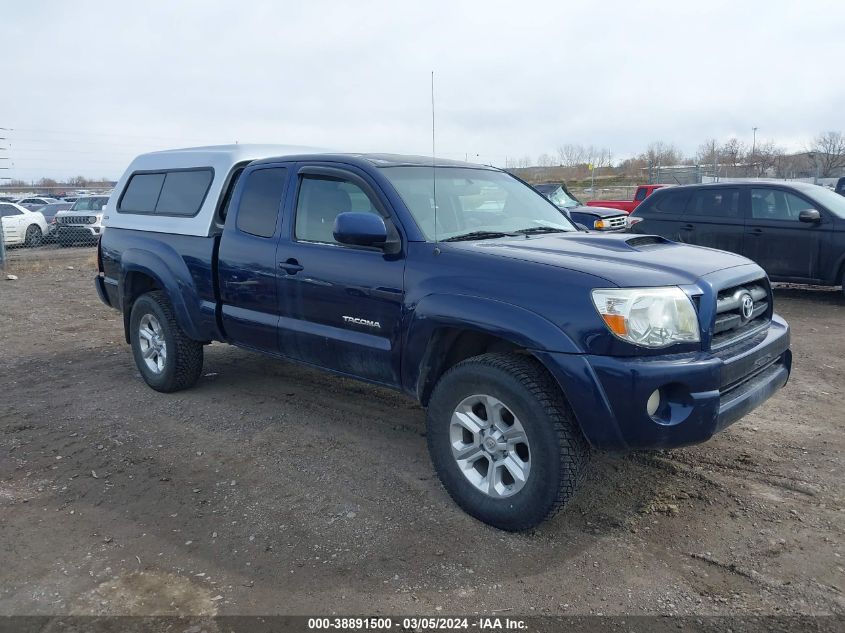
<point x="747" y="304"/>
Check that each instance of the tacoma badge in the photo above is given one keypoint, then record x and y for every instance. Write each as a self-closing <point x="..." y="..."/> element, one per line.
<point x="373" y="324"/>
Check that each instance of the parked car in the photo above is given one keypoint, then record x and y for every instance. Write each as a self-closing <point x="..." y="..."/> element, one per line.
<point x="642" y="192"/>
<point x="21" y="226"/>
<point x="840" y="186"/>
<point x="49" y="212"/>
<point x="794" y="231"/>
<point x="593" y="218"/>
<point x="527" y="340"/>
<point x="35" y="204"/>
<point x="81" y="224"/>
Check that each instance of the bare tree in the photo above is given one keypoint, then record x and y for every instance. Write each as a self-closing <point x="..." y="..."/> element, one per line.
<point x="660" y="153"/>
<point x="571" y="155"/>
<point x="707" y="153"/>
<point x="598" y="157"/>
<point x="544" y="160"/>
<point x="766" y="156"/>
<point x="733" y="153"/>
<point x="828" y="149"/>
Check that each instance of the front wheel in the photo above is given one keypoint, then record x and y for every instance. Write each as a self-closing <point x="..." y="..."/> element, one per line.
<point x="167" y="359"/>
<point x="33" y="235"/>
<point x="503" y="440"/>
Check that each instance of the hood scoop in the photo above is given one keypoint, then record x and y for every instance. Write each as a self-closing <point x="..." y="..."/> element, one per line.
<point x="644" y="242"/>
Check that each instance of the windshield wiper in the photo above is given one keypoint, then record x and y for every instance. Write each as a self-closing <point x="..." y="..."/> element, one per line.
<point x="479" y="235"/>
<point x="541" y="229"/>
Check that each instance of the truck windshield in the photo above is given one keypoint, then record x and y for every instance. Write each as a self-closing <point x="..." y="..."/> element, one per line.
<point x="89" y="204"/>
<point x="473" y="202"/>
<point x="562" y="199"/>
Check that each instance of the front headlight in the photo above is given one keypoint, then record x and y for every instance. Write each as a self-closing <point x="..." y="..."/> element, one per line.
<point x="651" y="317"/>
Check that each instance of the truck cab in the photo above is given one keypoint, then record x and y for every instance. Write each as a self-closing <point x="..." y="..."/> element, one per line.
<point x="528" y="342"/>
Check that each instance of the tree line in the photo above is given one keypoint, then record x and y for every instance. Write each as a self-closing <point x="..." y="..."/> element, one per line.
<point x="823" y="157"/>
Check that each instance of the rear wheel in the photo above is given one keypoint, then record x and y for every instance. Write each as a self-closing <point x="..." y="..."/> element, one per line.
<point x="33" y="235"/>
<point x="504" y="441"/>
<point x="167" y="359"/>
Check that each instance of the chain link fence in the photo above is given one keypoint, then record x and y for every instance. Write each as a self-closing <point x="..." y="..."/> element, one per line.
<point x="28" y="234"/>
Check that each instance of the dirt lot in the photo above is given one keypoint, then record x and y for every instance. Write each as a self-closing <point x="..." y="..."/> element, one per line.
<point x="270" y="488"/>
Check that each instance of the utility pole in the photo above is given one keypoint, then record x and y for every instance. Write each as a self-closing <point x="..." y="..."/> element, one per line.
<point x="754" y="147"/>
<point x="4" y="157"/>
<point x="715" y="164"/>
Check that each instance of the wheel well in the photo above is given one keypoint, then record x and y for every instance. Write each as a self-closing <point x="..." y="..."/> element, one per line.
<point x="134" y="285"/>
<point x="448" y="347"/>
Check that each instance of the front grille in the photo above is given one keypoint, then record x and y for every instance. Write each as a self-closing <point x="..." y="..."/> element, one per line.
<point x="77" y="219"/>
<point x="614" y="223"/>
<point x="741" y="311"/>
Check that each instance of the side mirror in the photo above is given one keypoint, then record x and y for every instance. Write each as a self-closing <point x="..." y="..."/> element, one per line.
<point x="360" y="229"/>
<point x="581" y="227"/>
<point x="810" y="215"/>
<point x="103" y="208"/>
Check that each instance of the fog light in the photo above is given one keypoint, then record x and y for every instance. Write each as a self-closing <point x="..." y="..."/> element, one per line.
<point x="653" y="402"/>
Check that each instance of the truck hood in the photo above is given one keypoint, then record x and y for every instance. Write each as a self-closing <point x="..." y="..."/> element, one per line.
<point x="622" y="259"/>
<point x="602" y="212"/>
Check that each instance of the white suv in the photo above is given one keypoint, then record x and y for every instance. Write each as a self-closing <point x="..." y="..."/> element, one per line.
<point x="82" y="223"/>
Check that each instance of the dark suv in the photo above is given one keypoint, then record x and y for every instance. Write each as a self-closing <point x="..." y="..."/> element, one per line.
<point x="795" y="231"/>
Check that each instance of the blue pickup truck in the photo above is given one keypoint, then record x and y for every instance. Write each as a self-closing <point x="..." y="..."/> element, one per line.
<point x="528" y="341"/>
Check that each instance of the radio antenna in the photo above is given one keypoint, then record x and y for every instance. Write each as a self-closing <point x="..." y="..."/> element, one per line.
<point x="433" y="160"/>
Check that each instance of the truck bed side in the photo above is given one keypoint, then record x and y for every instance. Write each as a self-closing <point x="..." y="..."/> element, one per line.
<point x="134" y="262"/>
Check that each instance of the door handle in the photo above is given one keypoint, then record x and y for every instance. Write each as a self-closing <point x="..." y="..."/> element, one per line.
<point x="688" y="227"/>
<point x="755" y="232"/>
<point x="291" y="266"/>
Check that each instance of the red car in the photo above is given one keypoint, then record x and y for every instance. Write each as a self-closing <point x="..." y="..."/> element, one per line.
<point x="643" y="192"/>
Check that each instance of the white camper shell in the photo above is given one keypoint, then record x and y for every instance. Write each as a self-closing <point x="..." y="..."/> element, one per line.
<point x="160" y="191"/>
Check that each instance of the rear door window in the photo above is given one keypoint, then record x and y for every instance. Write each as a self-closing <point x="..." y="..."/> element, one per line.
<point x="715" y="202"/>
<point x="261" y="201"/>
<point x="669" y="202"/>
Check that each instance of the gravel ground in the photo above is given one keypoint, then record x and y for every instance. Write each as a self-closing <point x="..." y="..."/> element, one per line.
<point x="272" y="488"/>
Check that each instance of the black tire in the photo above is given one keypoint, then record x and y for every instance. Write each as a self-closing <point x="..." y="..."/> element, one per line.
<point x="33" y="235"/>
<point x="559" y="451"/>
<point x="183" y="364"/>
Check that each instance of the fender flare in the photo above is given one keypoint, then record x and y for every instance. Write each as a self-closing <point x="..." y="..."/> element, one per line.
<point x="523" y="328"/>
<point x="172" y="275"/>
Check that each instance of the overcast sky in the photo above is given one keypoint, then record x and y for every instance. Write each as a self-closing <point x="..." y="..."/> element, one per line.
<point x="87" y="85"/>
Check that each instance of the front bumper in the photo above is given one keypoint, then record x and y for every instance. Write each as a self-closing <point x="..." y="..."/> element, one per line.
<point x="702" y="393"/>
<point x="74" y="232"/>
